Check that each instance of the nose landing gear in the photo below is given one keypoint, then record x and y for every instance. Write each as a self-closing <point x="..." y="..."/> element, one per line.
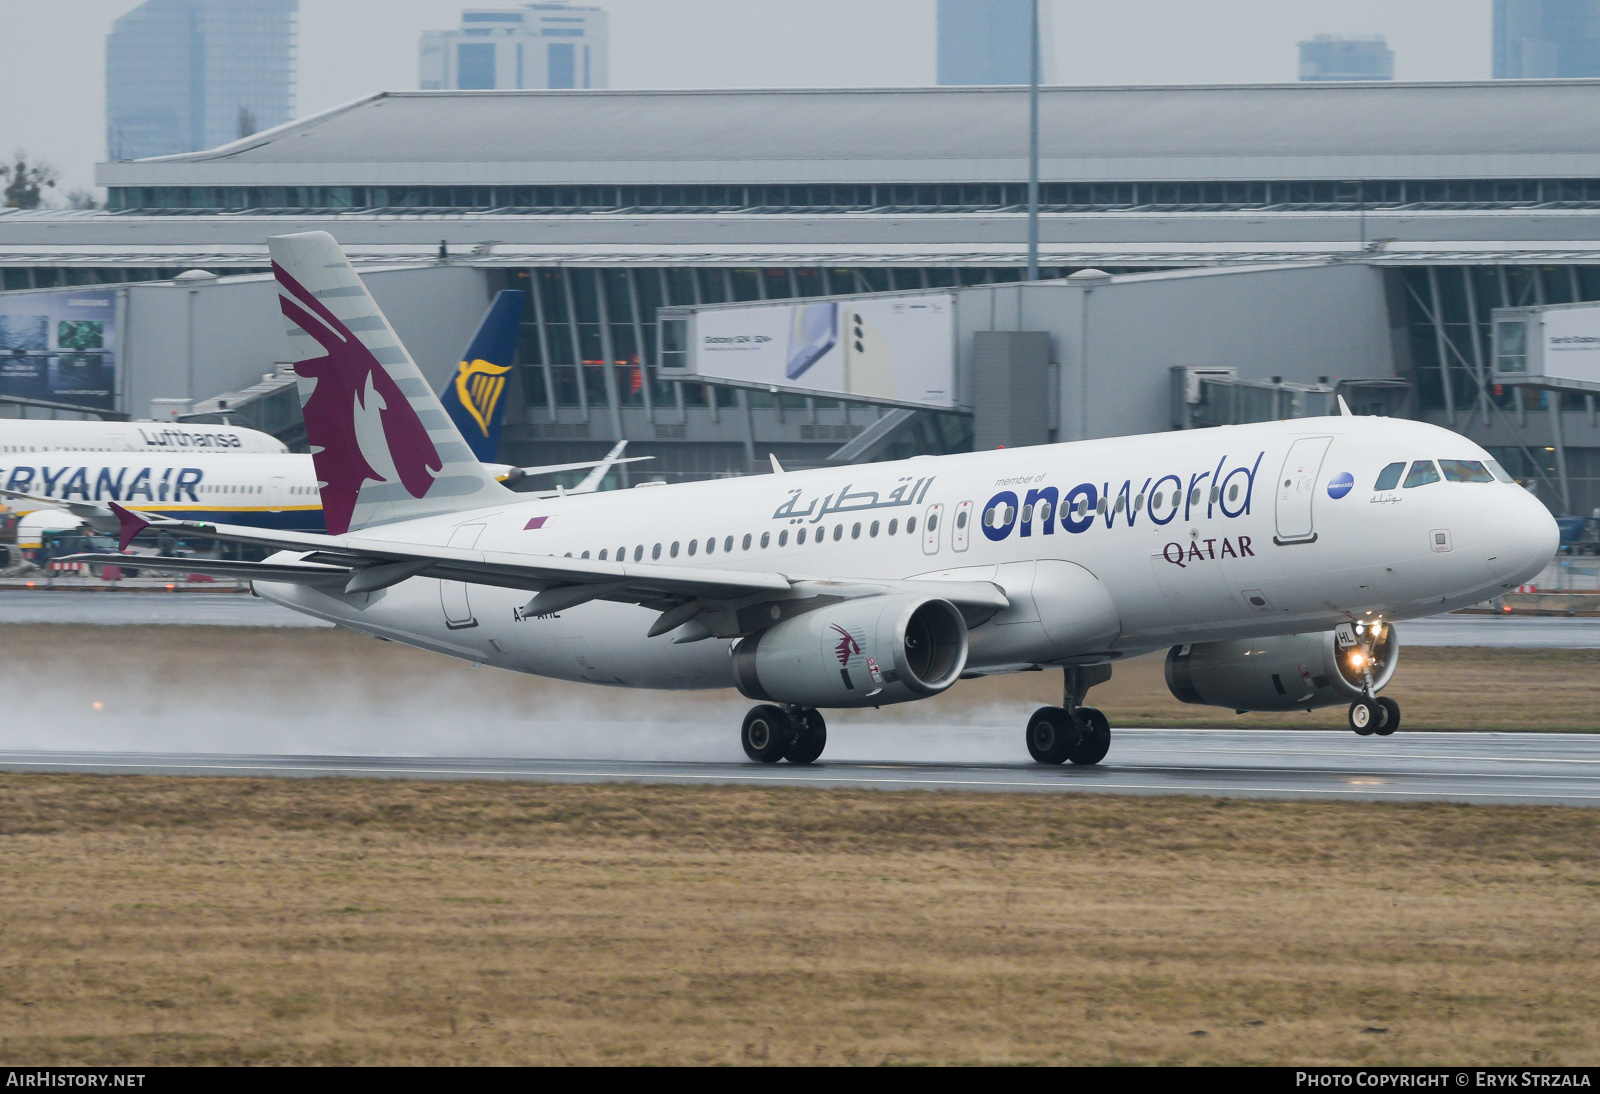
<point x="1380" y="716"/>
<point x="1072" y="731"/>
<point x="772" y="733"/>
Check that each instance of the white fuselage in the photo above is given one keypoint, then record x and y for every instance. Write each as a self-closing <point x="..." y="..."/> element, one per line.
<point x="1235" y="532"/>
<point x="263" y="490"/>
<point x="35" y="435"/>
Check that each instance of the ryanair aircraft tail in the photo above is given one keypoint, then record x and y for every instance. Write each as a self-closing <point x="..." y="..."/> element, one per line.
<point x="475" y="396"/>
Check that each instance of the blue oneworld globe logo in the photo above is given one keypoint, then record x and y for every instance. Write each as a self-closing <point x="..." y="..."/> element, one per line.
<point x="1340" y="484"/>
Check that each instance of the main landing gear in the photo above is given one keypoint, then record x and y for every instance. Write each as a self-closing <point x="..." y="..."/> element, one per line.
<point x="773" y="733"/>
<point x="1072" y="731"/>
<point x="1380" y="716"/>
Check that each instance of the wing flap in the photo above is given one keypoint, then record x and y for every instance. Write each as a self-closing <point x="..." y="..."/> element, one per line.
<point x="293" y="572"/>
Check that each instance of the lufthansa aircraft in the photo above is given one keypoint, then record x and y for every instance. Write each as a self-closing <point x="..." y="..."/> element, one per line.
<point x="267" y="488"/>
<point x="1272" y="560"/>
<point x="22" y="435"/>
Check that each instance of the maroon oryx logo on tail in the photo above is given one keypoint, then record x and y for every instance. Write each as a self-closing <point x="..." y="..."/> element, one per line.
<point x="350" y="387"/>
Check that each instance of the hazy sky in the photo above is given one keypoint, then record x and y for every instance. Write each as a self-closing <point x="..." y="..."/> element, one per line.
<point x="52" y="52"/>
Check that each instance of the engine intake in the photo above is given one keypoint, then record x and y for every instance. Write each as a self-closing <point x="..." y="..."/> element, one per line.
<point x="1290" y="672"/>
<point x="867" y="652"/>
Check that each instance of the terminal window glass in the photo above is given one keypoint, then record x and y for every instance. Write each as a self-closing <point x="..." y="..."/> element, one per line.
<point x="1465" y="471"/>
<point x="1422" y="473"/>
<point x="475" y="66"/>
<point x="1511" y="346"/>
<point x="1389" y="477"/>
<point x="563" y="65"/>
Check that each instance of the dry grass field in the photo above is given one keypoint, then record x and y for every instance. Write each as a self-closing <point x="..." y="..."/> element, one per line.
<point x="164" y="669"/>
<point x="157" y="920"/>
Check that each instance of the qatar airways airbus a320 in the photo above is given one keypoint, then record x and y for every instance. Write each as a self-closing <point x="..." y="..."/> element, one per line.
<point x="1271" y="559"/>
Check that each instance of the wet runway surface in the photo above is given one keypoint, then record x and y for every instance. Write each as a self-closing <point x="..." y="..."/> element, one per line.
<point x="1488" y="768"/>
<point x="243" y="610"/>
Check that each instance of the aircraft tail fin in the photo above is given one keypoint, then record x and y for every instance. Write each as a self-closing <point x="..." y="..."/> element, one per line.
<point x="474" y="396"/>
<point x="383" y="446"/>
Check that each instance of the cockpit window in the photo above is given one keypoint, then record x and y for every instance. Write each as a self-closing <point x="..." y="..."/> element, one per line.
<point x="1422" y="473"/>
<point x="1499" y="472"/>
<point x="1389" y="477"/>
<point x="1465" y="471"/>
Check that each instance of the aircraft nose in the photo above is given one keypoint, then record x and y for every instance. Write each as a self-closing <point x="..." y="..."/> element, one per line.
<point x="1524" y="536"/>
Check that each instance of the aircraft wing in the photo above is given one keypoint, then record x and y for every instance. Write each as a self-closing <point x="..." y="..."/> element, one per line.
<point x="295" y="572"/>
<point x="94" y="512"/>
<point x="722" y="602"/>
<point x="509" y="474"/>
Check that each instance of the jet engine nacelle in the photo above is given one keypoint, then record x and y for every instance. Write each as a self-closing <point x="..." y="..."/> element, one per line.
<point x="1290" y="672"/>
<point x="859" y="653"/>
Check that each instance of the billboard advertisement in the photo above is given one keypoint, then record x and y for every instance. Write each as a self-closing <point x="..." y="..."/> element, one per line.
<point x="899" y="349"/>
<point x="60" y="347"/>
<point x="1572" y="343"/>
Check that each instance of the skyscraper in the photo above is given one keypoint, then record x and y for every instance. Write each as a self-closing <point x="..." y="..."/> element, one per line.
<point x="1536" y="39"/>
<point x="549" y="45"/>
<point x="183" y="75"/>
<point x="1336" y="57"/>
<point x="986" y="41"/>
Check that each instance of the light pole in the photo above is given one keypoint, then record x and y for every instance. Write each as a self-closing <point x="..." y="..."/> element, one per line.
<point x="1033" y="144"/>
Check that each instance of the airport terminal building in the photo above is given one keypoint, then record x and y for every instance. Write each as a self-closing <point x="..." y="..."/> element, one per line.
<point x="1268" y="246"/>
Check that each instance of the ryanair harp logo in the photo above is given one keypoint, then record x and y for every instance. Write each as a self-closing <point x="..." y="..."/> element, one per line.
<point x="479" y="386"/>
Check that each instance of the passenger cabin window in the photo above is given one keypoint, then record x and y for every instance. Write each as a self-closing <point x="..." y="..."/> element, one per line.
<point x="783" y="538"/>
<point x="766" y="538"/>
<point x="911" y="525"/>
<point x="1465" y="471"/>
<point x="694" y="545"/>
<point x="1389" y="477"/>
<point x="727" y="545"/>
<point x="1422" y="473"/>
<point x="744" y="545"/>
<point x="800" y="537"/>
<point x="894" y="526"/>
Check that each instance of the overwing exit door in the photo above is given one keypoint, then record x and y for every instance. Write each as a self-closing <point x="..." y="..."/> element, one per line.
<point x="1297" y="490"/>
<point x="453" y="594"/>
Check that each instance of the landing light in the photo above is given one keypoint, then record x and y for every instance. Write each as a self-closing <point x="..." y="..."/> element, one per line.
<point x="1356" y="660"/>
<point x="1360" y="629"/>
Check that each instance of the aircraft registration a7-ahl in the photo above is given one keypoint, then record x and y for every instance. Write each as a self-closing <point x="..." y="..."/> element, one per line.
<point x="1272" y="559"/>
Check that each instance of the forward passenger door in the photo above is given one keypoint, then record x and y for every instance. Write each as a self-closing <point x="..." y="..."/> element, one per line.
<point x="1296" y="489"/>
